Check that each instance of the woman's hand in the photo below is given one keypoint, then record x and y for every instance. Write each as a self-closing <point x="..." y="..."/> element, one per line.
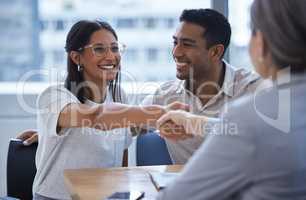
<point x="173" y="132"/>
<point x="28" y="137"/>
<point x="177" y="106"/>
<point x="178" y="125"/>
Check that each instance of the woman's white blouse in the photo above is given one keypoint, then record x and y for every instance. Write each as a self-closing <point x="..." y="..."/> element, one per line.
<point x="75" y="147"/>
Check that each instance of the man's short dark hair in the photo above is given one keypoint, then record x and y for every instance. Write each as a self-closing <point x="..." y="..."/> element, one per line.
<point x="217" y="27"/>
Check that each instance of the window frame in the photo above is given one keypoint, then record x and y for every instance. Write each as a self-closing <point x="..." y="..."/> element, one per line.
<point x="220" y="5"/>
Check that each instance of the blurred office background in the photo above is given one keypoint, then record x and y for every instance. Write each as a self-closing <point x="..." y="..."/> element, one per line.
<point x="32" y="56"/>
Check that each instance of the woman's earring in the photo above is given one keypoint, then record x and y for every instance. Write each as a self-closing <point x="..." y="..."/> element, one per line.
<point x="80" y="68"/>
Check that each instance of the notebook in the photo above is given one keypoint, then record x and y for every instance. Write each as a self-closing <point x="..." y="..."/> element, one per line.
<point x="162" y="179"/>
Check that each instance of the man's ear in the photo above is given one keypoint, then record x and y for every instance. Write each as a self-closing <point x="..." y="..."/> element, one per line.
<point x="216" y="52"/>
<point x="75" y="57"/>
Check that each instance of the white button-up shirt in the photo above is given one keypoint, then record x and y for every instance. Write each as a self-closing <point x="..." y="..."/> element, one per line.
<point x="237" y="82"/>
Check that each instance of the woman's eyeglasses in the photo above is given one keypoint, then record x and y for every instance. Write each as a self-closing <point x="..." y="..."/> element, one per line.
<point x="101" y="50"/>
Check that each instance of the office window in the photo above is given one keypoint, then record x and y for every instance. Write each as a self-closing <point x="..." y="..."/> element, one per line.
<point x="19" y="38"/>
<point x="126" y="23"/>
<point x="169" y="54"/>
<point x="150" y="23"/>
<point x="170" y="22"/>
<point x="239" y="18"/>
<point x="152" y="54"/>
<point x="43" y="25"/>
<point x="58" y="56"/>
<point x="28" y="26"/>
<point x="130" y="55"/>
<point x="59" y="25"/>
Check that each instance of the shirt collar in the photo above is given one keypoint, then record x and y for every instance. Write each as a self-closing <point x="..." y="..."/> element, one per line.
<point x="180" y="87"/>
<point x="227" y="86"/>
<point x="229" y="79"/>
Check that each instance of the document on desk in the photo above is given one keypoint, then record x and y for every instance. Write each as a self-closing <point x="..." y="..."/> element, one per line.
<point x="162" y="179"/>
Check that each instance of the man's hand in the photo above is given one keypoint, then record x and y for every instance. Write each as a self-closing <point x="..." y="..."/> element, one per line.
<point x="177" y="106"/>
<point x="181" y="125"/>
<point x="28" y="137"/>
<point x="173" y="132"/>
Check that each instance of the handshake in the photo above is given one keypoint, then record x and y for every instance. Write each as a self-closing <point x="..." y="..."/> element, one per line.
<point x="174" y="123"/>
<point x="179" y="124"/>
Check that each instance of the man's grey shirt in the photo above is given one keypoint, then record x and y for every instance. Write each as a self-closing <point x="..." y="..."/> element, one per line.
<point x="263" y="159"/>
<point x="237" y="82"/>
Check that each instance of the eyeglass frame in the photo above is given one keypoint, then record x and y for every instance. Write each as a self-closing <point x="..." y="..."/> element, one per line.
<point x="108" y="47"/>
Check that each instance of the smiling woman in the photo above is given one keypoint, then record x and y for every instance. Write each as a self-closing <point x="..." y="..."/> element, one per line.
<point x="79" y="124"/>
<point x="37" y="29"/>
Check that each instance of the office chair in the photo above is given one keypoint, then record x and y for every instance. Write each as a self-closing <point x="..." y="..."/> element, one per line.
<point x="151" y="149"/>
<point x="21" y="169"/>
<point x="8" y="198"/>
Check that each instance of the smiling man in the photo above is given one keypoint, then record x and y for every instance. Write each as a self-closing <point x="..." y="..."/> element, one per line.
<point x="205" y="81"/>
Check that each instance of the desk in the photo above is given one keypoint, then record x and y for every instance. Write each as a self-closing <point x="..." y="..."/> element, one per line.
<point x="97" y="184"/>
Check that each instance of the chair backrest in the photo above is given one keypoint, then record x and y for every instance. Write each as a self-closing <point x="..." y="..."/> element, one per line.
<point x="8" y="198"/>
<point x="151" y="149"/>
<point x="21" y="169"/>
